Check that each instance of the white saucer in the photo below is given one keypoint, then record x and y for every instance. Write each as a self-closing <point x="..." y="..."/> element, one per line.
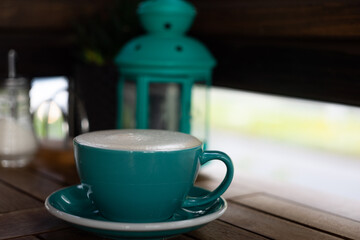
<point x="71" y="204"/>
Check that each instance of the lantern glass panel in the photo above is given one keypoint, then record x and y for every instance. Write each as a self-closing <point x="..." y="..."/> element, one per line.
<point x="129" y="104"/>
<point x="199" y="110"/>
<point x="164" y="106"/>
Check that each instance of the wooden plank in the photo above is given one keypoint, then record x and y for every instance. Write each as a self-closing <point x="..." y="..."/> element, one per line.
<point x="29" y="182"/>
<point x="334" y="204"/>
<point x="270" y="226"/>
<point x="234" y="189"/>
<point x="182" y="237"/>
<point x="211" y="176"/>
<point x="56" y="14"/>
<point x="28" y="222"/>
<point x="76" y="234"/>
<point x="304" y="215"/>
<point x="69" y="234"/>
<point x="27" y="238"/>
<point x="320" y="18"/>
<point x="293" y="18"/>
<point x="12" y="200"/>
<point x="214" y="230"/>
<point x="220" y="230"/>
<point x="53" y="176"/>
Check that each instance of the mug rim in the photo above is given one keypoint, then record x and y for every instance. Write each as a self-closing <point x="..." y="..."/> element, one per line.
<point x="138" y="140"/>
<point x="75" y="142"/>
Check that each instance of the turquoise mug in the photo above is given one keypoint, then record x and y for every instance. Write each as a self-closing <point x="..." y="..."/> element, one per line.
<point x="143" y="175"/>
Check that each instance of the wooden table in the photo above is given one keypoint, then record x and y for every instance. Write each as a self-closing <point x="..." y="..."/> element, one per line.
<point x="251" y="214"/>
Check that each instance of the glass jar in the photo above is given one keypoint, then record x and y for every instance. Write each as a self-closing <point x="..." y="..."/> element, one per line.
<point x="17" y="140"/>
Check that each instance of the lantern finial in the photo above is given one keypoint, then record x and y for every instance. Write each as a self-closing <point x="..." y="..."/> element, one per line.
<point x="170" y="17"/>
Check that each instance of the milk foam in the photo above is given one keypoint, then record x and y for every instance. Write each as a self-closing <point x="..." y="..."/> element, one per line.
<point x="138" y="140"/>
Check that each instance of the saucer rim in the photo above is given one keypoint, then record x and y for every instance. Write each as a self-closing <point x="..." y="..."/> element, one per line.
<point x="133" y="227"/>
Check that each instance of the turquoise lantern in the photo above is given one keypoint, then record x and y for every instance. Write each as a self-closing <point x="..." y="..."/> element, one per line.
<point x="164" y="74"/>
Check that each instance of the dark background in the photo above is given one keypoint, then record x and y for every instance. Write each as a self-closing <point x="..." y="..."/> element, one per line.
<point x="299" y="48"/>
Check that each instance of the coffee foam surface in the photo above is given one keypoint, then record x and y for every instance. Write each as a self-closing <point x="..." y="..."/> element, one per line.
<point x="138" y="140"/>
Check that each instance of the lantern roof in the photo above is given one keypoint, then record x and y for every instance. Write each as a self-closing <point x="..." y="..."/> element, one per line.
<point x="165" y="46"/>
<point x="165" y="51"/>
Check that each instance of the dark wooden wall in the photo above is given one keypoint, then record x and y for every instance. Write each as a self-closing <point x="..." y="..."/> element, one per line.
<point x="42" y="33"/>
<point x="279" y="18"/>
<point x="302" y="48"/>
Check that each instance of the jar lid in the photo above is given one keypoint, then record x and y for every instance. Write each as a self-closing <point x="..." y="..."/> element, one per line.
<point x="13" y="81"/>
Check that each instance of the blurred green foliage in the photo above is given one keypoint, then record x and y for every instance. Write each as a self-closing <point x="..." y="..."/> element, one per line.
<point x="100" y="37"/>
<point x="320" y="125"/>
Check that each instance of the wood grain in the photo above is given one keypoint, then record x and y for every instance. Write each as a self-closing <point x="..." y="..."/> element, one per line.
<point x="27" y="238"/>
<point x="29" y="182"/>
<point x="236" y="189"/>
<point x="56" y="14"/>
<point x="294" y="18"/>
<point x="334" y="204"/>
<point x="76" y="234"/>
<point x="182" y="237"/>
<point x="28" y="222"/>
<point x="69" y="234"/>
<point x="214" y="230"/>
<point x="12" y="200"/>
<point x="304" y="215"/>
<point x="270" y="226"/>
<point x="220" y="230"/>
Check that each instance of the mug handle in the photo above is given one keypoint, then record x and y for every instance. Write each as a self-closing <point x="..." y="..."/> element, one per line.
<point x="205" y="157"/>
